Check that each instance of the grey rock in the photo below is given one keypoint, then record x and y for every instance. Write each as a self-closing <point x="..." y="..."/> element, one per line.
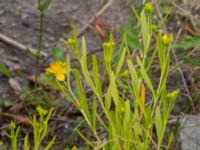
<point x="190" y="133"/>
<point x="2" y="12"/>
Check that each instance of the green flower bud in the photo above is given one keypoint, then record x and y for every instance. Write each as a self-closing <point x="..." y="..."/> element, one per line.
<point x="12" y="125"/>
<point x="41" y="111"/>
<point x="148" y="8"/>
<point x="125" y="74"/>
<point x="154" y="27"/>
<point x="108" y="45"/>
<point x="70" y="42"/>
<point x="173" y="94"/>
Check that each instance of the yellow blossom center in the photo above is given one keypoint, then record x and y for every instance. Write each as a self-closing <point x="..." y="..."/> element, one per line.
<point x="58" y="69"/>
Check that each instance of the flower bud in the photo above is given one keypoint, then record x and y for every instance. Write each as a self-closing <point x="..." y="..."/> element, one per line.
<point x="125" y="74"/>
<point x="70" y="42"/>
<point x="108" y="45"/>
<point x="148" y="8"/>
<point x="12" y="125"/>
<point x="41" y="111"/>
<point x="173" y="94"/>
<point x="167" y="39"/>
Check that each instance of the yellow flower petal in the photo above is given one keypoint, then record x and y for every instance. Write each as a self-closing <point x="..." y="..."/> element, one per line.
<point x="60" y="77"/>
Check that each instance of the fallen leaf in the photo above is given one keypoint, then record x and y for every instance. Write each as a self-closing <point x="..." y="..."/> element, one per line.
<point x="188" y="29"/>
<point x="32" y="79"/>
<point x="100" y="32"/>
<point x="101" y="28"/>
<point x="18" y="118"/>
<point x="15" y="85"/>
<point x="104" y="25"/>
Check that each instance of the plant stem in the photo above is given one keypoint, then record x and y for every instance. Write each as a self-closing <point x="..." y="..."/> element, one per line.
<point x="39" y="45"/>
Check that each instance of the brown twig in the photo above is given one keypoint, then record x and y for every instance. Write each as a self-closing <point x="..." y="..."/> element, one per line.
<point x="80" y="32"/>
<point x="18" y="45"/>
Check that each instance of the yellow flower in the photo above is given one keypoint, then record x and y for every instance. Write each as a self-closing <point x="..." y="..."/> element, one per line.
<point x="173" y="94"/>
<point x="58" y="69"/>
<point x="167" y="39"/>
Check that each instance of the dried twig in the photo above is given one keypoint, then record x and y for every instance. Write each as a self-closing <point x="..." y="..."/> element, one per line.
<point x="18" y="45"/>
<point x="80" y="32"/>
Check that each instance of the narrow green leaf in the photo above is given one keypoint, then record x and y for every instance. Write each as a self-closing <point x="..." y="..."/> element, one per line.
<point x="5" y="71"/>
<point x="68" y="63"/>
<point x="121" y="62"/>
<point x="44" y="6"/>
<point x="108" y="98"/>
<point x="146" y="76"/>
<point x="84" y="67"/>
<point x="127" y="122"/>
<point x="50" y="144"/>
<point x="94" y="113"/>
<point x="134" y="80"/>
<point x="145" y="33"/>
<point x="171" y="137"/>
<point x="84" y="50"/>
<point x="161" y="53"/>
<point x="26" y="143"/>
<point x="78" y="84"/>
<point x="114" y="91"/>
<point x="87" y="75"/>
<point x="82" y="98"/>
<point x="97" y="81"/>
<point x="95" y="70"/>
<point x="135" y="12"/>
<point x="158" y="123"/>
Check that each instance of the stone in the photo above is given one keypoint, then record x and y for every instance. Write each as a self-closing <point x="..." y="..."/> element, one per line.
<point x="190" y="133"/>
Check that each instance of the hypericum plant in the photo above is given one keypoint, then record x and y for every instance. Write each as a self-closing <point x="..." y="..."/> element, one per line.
<point x="14" y="132"/>
<point x="40" y="128"/>
<point x="127" y="114"/>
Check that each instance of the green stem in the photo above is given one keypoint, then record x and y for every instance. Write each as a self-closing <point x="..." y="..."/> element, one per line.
<point x="39" y="44"/>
